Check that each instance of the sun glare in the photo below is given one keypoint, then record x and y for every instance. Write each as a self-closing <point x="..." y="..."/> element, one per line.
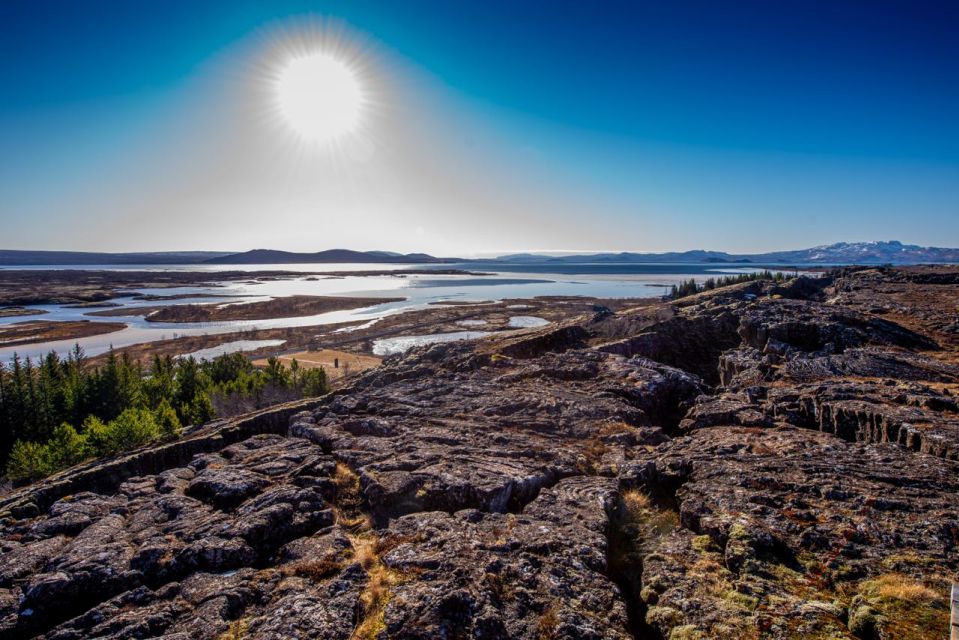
<point x="320" y="96"/>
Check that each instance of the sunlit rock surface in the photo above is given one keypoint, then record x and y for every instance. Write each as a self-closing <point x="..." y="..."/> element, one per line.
<point x="760" y="462"/>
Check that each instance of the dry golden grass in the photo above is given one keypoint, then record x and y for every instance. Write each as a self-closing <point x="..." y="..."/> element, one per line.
<point x="547" y="624"/>
<point x="236" y="630"/>
<point x="614" y="428"/>
<point x="907" y="608"/>
<point x="635" y="502"/>
<point x="500" y="585"/>
<point x="901" y="587"/>
<point x="348" y="509"/>
<point x="349" y="363"/>
<point x="316" y="570"/>
<point x="345" y="478"/>
<point x="364" y="551"/>
<point x="368" y="551"/>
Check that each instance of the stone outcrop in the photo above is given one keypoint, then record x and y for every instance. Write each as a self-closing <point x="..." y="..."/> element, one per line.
<point x="759" y="461"/>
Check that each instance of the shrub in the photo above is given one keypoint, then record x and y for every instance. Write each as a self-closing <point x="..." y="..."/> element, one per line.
<point x="96" y="433"/>
<point x="314" y="382"/>
<point x="66" y="447"/>
<point x="28" y="461"/>
<point x="201" y="409"/>
<point x="132" y="428"/>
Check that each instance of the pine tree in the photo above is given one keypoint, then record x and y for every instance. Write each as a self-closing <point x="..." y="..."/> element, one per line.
<point x="314" y="382"/>
<point x="201" y="409"/>
<point x="166" y="417"/>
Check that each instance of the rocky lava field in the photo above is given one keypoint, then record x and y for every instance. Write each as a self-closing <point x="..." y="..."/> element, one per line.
<point x="759" y="461"/>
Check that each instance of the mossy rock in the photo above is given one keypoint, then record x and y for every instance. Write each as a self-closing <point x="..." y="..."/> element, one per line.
<point x="899" y="606"/>
<point x="863" y="621"/>
<point x="741" y="600"/>
<point x="704" y="544"/>
<point x="686" y="632"/>
<point x="664" y="617"/>
<point x="738" y="532"/>
<point x="649" y="595"/>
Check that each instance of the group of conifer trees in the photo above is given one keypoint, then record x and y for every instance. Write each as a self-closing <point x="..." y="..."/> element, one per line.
<point x="56" y="412"/>
<point x="691" y="287"/>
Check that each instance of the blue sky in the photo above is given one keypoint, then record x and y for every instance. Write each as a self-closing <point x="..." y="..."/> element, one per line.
<point x="636" y="125"/>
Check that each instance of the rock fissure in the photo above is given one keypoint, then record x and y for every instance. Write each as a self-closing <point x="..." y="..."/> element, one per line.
<point x="513" y="487"/>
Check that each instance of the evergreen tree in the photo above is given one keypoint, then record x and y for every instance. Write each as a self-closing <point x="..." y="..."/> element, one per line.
<point x="132" y="428"/>
<point x="314" y="382"/>
<point x="95" y="431"/>
<point x="294" y="370"/>
<point x="66" y="447"/>
<point x="201" y="409"/>
<point x="116" y="406"/>
<point x="167" y="419"/>
<point x="160" y="385"/>
<point x="276" y="373"/>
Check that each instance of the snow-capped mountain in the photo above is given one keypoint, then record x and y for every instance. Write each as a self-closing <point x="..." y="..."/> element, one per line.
<point x="892" y="251"/>
<point x="889" y="252"/>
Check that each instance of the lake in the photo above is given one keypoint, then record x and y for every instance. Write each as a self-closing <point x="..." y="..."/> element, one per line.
<point x="506" y="281"/>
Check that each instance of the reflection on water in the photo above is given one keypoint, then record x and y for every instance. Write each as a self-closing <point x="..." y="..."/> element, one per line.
<point x="476" y="282"/>
<point x="399" y="344"/>
<point x="523" y="322"/>
<point x="506" y="281"/>
<point x="232" y="347"/>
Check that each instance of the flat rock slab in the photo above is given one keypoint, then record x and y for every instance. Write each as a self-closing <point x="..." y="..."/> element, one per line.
<point x="760" y="461"/>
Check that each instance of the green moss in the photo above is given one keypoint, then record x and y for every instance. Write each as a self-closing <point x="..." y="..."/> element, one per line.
<point x="902" y="607"/>
<point x="649" y="595"/>
<point x="903" y="561"/>
<point x="236" y="631"/>
<point x="686" y="632"/>
<point x="704" y="544"/>
<point x="664" y="617"/>
<point x="863" y="621"/>
<point x="738" y="532"/>
<point x="741" y="600"/>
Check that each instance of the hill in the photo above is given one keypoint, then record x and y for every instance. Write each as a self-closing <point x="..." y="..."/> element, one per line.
<point x="891" y="252"/>
<point x="270" y="256"/>
<point x="16" y="257"/>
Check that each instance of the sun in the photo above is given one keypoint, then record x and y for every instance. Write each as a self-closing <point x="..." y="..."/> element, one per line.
<point x="319" y="96"/>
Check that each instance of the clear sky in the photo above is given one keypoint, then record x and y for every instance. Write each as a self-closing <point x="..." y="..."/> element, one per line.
<point x="485" y="126"/>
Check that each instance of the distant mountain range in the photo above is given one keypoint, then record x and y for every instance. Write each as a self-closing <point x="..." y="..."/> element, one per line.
<point x="891" y="252"/>
<point x="86" y="258"/>
<point x="270" y="256"/>
<point x="256" y="256"/>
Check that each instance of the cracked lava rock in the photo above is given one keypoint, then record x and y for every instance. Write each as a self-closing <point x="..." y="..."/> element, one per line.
<point x="758" y="461"/>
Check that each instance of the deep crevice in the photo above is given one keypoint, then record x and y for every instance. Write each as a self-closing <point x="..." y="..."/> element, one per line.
<point x="624" y="566"/>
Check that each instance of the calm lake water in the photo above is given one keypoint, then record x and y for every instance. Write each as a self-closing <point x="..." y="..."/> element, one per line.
<point x="505" y="281"/>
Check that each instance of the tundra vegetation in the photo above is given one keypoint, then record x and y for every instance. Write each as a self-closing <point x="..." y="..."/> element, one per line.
<point x="60" y="411"/>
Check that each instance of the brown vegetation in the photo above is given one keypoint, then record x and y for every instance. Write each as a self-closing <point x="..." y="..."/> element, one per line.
<point x="34" y="331"/>
<point x="346" y="337"/>
<point x="12" y="312"/>
<point x="69" y="286"/>
<point x="288" y="307"/>
<point x="327" y="359"/>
